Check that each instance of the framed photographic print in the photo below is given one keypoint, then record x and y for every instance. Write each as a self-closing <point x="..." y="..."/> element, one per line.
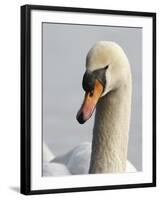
<point x="88" y="99"/>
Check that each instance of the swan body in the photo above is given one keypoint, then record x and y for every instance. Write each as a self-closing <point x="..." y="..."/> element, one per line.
<point x="74" y="162"/>
<point x="78" y="159"/>
<point x="47" y="154"/>
<point x="54" y="169"/>
<point x="108" y="86"/>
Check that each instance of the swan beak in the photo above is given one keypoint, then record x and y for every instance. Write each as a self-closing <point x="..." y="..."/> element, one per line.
<point x="89" y="103"/>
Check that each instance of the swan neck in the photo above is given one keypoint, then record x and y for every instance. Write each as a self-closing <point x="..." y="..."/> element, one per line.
<point x="110" y="133"/>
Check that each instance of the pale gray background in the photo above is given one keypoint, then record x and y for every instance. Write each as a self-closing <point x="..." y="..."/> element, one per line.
<point x="64" y="52"/>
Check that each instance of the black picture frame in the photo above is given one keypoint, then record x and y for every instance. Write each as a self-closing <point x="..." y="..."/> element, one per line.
<point x="26" y="97"/>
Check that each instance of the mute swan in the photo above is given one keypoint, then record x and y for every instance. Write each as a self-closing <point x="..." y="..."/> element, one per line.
<point x="54" y="169"/>
<point x="108" y="88"/>
<point x="77" y="160"/>
<point x="47" y="154"/>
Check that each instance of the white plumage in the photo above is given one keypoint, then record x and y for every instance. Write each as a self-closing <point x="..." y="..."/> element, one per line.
<point x="47" y="154"/>
<point x="54" y="169"/>
<point x="75" y="161"/>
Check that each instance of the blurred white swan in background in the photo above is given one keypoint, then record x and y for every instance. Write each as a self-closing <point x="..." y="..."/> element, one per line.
<point x="52" y="169"/>
<point x="108" y="86"/>
<point x="47" y="154"/>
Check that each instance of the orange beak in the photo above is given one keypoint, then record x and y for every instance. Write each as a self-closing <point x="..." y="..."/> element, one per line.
<point x="89" y="103"/>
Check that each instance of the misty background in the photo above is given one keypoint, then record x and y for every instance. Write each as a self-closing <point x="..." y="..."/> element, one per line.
<point x="64" y="52"/>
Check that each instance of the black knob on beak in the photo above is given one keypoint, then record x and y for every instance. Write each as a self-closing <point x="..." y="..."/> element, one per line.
<point x="88" y="81"/>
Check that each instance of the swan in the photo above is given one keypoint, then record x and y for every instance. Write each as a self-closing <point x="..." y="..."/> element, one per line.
<point x="107" y="83"/>
<point x="55" y="169"/>
<point x="52" y="169"/>
<point x="47" y="154"/>
<point x="77" y="160"/>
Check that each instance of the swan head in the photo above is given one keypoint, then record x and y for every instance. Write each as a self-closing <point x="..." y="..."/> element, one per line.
<point x="107" y="68"/>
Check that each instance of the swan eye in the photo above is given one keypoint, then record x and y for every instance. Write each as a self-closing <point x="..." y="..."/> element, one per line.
<point x="90" y="77"/>
<point x="106" y="67"/>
